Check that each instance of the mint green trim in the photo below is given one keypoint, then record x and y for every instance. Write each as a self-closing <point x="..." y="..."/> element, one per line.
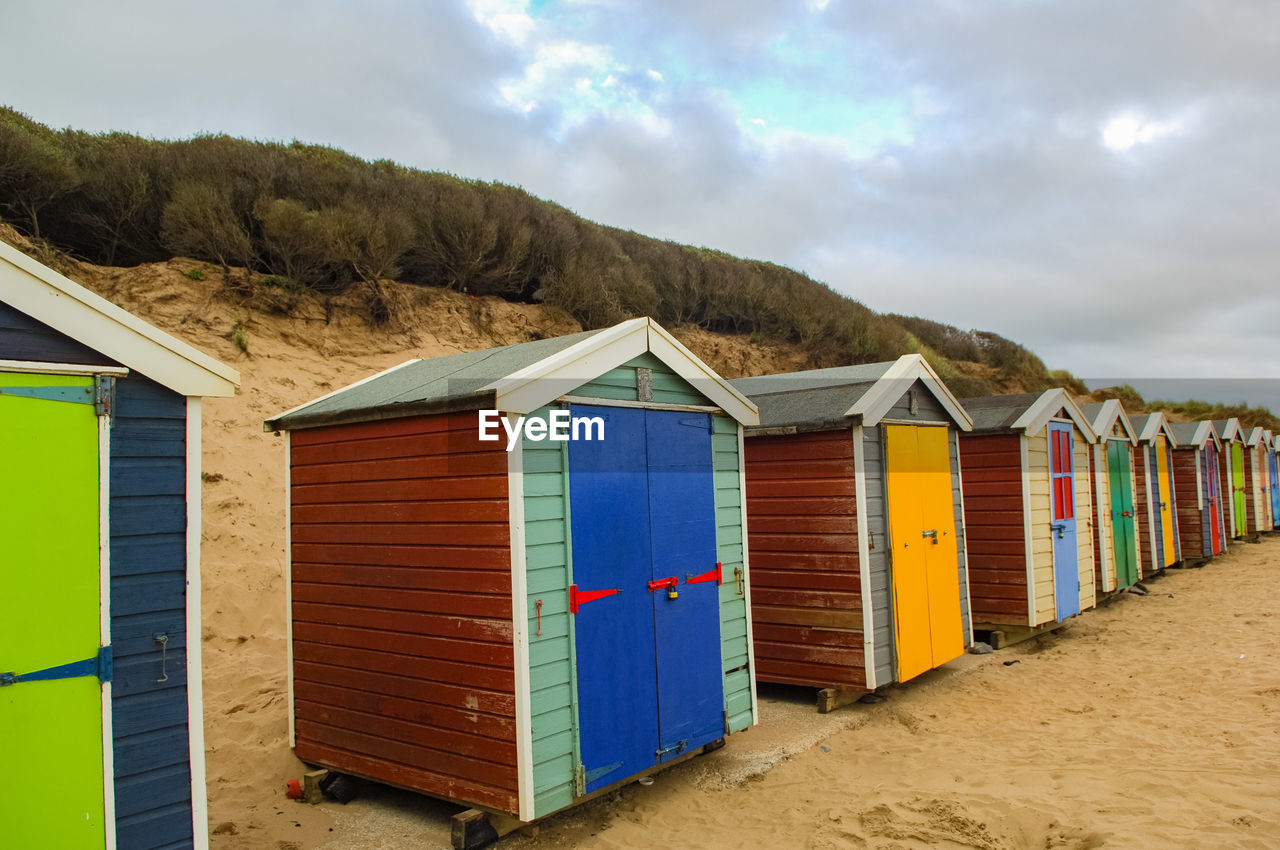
<point x="734" y="652"/>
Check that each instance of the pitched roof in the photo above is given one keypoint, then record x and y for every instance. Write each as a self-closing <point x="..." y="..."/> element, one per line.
<point x="514" y="378"/>
<point x="1228" y="429"/>
<point x="1027" y="412"/>
<point x="1151" y="425"/>
<point x="1103" y="417"/>
<point x="843" y="395"/>
<point x="64" y="305"/>
<point x="1197" y="434"/>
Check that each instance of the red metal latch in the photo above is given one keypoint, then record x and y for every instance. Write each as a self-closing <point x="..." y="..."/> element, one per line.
<point x="582" y="597"/>
<point x="669" y="582"/>
<point x="710" y="575"/>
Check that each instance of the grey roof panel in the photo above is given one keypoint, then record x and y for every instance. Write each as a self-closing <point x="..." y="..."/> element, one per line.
<point x="815" y="397"/>
<point x="421" y="384"/>
<point x="997" y="412"/>
<point x="1184" y="432"/>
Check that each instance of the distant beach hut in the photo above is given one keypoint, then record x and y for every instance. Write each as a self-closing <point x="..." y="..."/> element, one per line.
<point x="1115" y="538"/>
<point x="856" y="526"/>
<point x="1232" y="469"/>
<point x="1257" y="480"/>
<point x="1157" y="518"/>
<point x="1196" y="472"/>
<point x="101" y="726"/>
<point x="518" y="625"/>
<point x="1028" y="510"/>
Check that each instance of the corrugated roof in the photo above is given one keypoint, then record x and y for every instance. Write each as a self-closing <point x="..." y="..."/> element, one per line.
<point x="421" y="386"/>
<point x="998" y="412"/>
<point x="811" y="398"/>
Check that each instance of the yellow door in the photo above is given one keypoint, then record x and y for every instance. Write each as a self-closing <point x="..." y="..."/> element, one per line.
<point x="925" y="566"/>
<point x="1166" y="500"/>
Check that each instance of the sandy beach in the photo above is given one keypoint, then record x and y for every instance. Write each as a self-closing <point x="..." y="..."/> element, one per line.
<point x="1151" y="722"/>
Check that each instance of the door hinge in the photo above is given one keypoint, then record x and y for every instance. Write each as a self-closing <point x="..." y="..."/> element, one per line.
<point x="101" y="395"/>
<point x="579" y="780"/>
<point x="99" y="665"/>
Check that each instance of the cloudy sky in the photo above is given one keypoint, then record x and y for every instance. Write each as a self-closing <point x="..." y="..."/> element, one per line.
<point x="1097" y="180"/>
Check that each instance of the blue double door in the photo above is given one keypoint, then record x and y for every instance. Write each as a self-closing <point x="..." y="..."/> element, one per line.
<point x="645" y="598"/>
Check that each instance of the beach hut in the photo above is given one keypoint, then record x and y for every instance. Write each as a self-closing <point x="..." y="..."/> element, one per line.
<point x="1198" y="501"/>
<point x="517" y="576"/>
<point x="1257" y="479"/>
<point x="856" y="527"/>
<point x="1115" y="539"/>
<point x="1231" y="468"/>
<point x="1157" y="519"/>
<point x="101" y="730"/>
<point x="1028" y="511"/>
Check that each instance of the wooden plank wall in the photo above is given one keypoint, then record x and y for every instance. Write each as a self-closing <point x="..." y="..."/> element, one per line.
<point x="1253" y="492"/>
<point x="993" y="520"/>
<point x="1041" y="534"/>
<point x="1104" y="543"/>
<point x="401" y="577"/>
<point x="802" y="536"/>
<point x="1146" y="516"/>
<point x="148" y="598"/>
<point x="1191" y="503"/>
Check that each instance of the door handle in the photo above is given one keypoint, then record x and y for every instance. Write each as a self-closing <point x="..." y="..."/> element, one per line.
<point x="932" y="533"/>
<point x="1060" y="527"/>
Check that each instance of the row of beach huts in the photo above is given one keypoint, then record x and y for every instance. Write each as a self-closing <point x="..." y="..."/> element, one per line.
<point x="517" y="622"/>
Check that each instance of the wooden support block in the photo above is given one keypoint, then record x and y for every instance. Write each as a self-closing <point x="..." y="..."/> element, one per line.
<point x="477" y="828"/>
<point x="829" y="699"/>
<point x="311" y="792"/>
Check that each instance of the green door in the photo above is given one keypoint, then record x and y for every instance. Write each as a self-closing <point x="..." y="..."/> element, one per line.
<point x="51" y="788"/>
<point x="1237" y="489"/>
<point x="1119" y="460"/>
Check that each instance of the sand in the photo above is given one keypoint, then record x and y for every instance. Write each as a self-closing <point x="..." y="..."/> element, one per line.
<point x="1151" y="722"/>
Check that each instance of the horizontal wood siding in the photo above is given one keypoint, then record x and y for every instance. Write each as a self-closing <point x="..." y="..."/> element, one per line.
<point x="1104" y="562"/>
<point x="552" y="680"/>
<point x="401" y="582"/>
<point x="1191" y="504"/>
<point x="806" y="594"/>
<point x="148" y="527"/>
<point x="1146" y="515"/>
<point x="734" y="650"/>
<point x="1041" y="533"/>
<point x="991" y="467"/>
<point x="24" y="338"/>
<point x="1083" y="452"/>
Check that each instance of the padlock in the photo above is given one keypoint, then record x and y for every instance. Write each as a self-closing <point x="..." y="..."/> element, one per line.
<point x="672" y="593"/>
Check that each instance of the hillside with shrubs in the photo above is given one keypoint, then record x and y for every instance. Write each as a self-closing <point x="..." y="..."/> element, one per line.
<point x="301" y="220"/>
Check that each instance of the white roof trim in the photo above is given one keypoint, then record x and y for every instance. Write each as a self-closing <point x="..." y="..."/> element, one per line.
<point x="1037" y="416"/>
<point x="1232" y="431"/>
<point x="896" y="380"/>
<point x="1203" y="434"/>
<point x="1103" y="424"/>
<point x="540" y="383"/>
<point x="69" y="308"/>
<point x="1254" y="436"/>
<point x="1155" y="424"/>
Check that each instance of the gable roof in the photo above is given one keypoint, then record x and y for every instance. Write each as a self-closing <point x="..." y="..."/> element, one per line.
<point x="843" y="395"/>
<point x="1189" y="434"/>
<point x="1151" y="425"/>
<point x="1026" y="412"/>
<point x="1253" y="436"/>
<point x="513" y="378"/>
<point x="69" y="308"/>
<point x="1104" y="416"/>
<point x="1228" y="429"/>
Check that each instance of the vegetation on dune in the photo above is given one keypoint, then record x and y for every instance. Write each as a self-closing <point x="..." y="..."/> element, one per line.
<point x="301" y="218"/>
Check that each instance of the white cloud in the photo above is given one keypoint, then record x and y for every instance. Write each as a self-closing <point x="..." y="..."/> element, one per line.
<point x="1126" y="130"/>
<point x="507" y="19"/>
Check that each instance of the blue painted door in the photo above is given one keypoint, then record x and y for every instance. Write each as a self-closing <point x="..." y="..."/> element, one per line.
<point x="648" y="660"/>
<point x="682" y="525"/>
<point x="1066" y="554"/>
<point x="1275" y="490"/>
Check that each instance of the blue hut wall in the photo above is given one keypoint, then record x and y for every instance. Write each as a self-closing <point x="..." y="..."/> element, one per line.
<point x="148" y="527"/>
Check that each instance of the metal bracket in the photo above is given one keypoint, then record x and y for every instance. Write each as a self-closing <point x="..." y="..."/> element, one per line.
<point x="677" y="747"/>
<point x="100" y="665"/>
<point x="104" y="394"/>
<point x="101" y="395"/>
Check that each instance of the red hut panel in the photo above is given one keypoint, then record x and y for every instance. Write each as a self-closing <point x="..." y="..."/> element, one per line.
<point x="996" y="534"/>
<point x="414" y="688"/>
